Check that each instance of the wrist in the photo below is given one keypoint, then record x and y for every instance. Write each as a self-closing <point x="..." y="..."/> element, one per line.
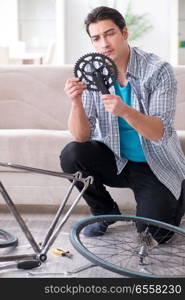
<point x="77" y="104"/>
<point x="126" y="112"/>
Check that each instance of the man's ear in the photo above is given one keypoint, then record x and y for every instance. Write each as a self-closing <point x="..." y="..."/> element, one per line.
<point x="125" y="33"/>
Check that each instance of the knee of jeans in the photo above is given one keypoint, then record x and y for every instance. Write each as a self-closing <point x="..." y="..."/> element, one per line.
<point x="69" y="156"/>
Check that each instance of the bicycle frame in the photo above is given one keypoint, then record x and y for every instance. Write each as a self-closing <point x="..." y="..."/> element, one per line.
<point x="40" y="251"/>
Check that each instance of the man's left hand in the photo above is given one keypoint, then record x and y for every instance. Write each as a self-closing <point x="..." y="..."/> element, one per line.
<point x="114" y="104"/>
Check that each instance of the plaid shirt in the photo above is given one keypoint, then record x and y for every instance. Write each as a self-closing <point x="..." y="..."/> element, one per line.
<point x="153" y="93"/>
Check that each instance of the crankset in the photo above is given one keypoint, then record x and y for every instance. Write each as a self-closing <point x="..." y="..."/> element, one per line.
<point x="97" y="71"/>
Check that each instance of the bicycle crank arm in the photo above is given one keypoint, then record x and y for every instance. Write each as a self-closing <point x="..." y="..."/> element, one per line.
<point x="99" y="82"/>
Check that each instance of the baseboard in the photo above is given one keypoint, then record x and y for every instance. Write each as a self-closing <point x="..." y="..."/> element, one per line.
<point x="51" y="209"/>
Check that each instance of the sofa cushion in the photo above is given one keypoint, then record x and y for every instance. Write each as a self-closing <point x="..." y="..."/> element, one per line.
<point x="33" y="147"/>
<point x="33" y="97"/>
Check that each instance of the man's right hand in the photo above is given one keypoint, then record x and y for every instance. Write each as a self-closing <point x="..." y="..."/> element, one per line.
<point x="74" y="89"/>
<point x="78" y="122"/>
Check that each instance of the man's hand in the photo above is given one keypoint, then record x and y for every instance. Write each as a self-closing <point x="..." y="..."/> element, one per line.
<point x="78" y="122"/>
<point x="74" y="89"/>
<point x="114" y="104"/>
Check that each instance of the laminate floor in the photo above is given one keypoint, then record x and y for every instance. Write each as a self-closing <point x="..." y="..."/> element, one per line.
<point x="55" y="266"/>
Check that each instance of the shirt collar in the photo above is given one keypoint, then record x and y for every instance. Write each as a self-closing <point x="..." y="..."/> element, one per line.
<point x="132" y="67"/>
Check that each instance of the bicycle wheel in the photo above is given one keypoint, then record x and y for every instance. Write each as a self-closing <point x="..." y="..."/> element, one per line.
<point x="126" y="251"/>
<point x="7" y="239"/>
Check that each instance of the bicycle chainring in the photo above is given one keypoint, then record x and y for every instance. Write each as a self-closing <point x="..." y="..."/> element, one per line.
<point x="91" y="65"/>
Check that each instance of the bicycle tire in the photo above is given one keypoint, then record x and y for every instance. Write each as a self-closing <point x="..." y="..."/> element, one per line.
<point x="171" y="254"/>
<point x="7" y="239"/>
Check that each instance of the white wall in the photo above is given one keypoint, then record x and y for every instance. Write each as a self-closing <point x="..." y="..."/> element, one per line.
<point x="60" y="32"/>
<point x="72" y="40"/>
<point x="37" y="23"/>
<point x="77" y="42"/>
<point x="182" y="30"/>
<point x="162" y="40"/>
<point x="8" y="21"/>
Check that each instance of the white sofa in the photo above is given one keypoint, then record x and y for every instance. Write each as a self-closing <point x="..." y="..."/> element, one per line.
<point x="33" y="130"/>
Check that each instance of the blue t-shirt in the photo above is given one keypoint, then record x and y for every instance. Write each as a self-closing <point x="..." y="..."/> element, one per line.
<point x="130" y="145"/>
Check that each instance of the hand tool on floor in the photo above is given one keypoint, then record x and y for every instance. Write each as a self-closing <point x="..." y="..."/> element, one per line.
<point x="62" y="252"/>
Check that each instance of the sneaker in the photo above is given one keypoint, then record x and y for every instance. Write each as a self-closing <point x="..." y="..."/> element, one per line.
<point x="95" y="229"/>
<point x="99" y="228"/>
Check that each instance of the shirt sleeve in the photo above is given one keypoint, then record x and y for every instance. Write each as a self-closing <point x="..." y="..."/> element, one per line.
<point x="90" y="109"/>
<point x="163" y="100"/>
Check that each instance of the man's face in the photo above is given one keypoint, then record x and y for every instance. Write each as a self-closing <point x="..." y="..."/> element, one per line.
<point x="108" y="39"/>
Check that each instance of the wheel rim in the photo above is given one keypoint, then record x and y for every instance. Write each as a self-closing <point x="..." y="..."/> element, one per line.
<point x="120" y="251"/>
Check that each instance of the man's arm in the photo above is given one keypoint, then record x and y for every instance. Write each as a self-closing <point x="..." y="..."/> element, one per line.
<point x="156" y="125"/>
<point x="148" y="126"/>
<point x="78" y="122"/>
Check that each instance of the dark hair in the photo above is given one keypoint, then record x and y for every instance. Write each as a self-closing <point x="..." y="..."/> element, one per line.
<point x="104" y="13"/>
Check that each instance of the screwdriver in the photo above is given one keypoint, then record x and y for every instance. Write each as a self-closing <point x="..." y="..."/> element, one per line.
<point x="62" y="252"/>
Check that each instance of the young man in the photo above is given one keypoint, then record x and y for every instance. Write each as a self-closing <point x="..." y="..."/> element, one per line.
<point x="139" y="148"/>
